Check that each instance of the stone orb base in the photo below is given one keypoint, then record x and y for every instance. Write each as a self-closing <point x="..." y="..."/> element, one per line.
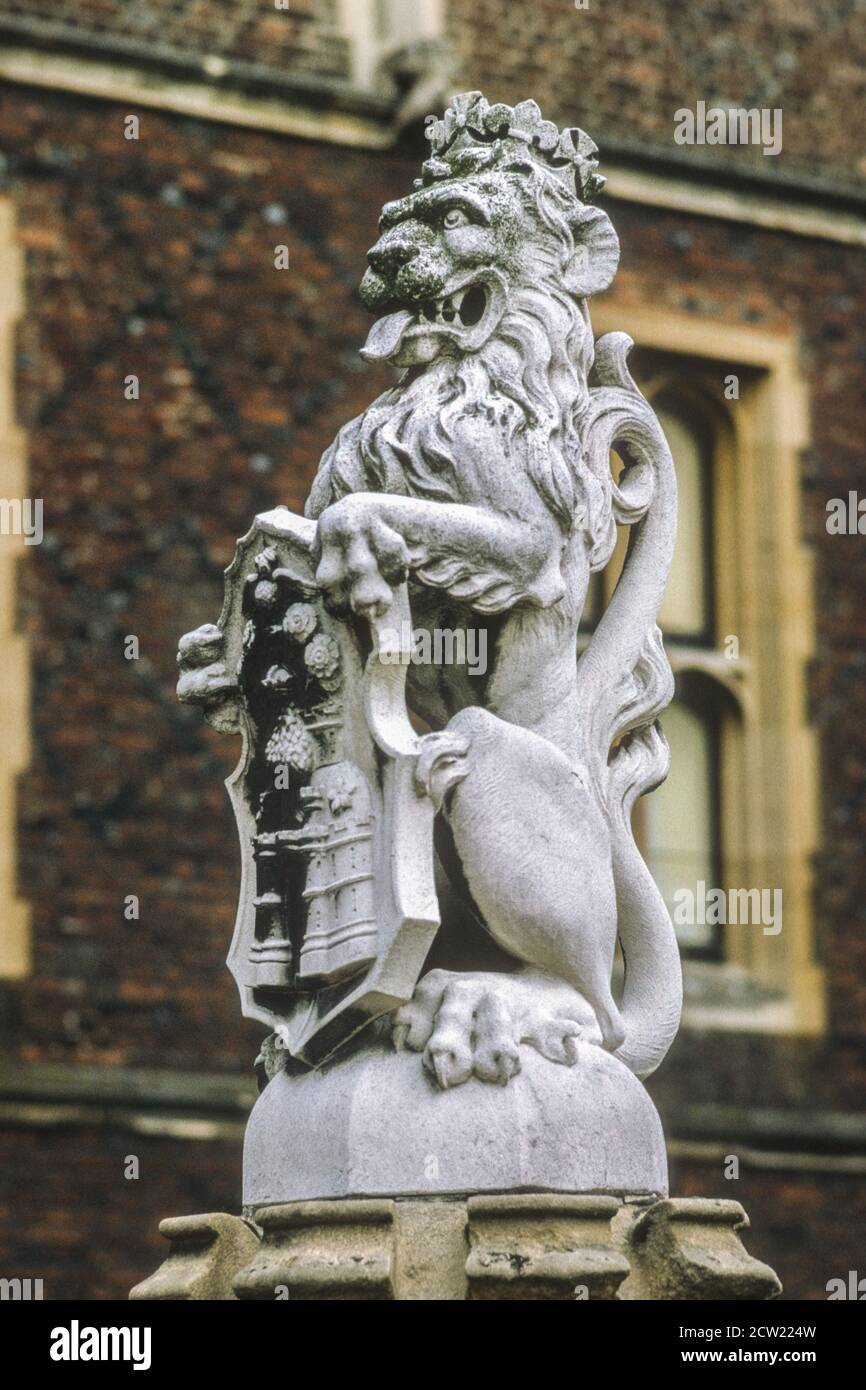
<point x="377" y="1125"/>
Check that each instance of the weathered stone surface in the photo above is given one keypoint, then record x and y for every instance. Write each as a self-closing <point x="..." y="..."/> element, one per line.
<point x="531" y="1246"/>
<point x="690" y="1248"/>
<point x="377" y="1124"/>
<point x="206" y="1254"/>
<point x="537" y="1246"/>
<point x="322" y="1250"/>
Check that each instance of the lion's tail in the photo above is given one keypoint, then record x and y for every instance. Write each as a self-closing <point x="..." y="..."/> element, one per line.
<point x="652" y="999"/>
<point x="624" y="683"/>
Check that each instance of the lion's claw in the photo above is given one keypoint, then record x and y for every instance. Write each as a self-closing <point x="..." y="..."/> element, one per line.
<point x="474" y="1024"/>
<point x="450" y="1065"/>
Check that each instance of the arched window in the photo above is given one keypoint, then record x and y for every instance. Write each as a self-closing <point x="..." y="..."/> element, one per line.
<point x="678" y="827"/>
<point x="736" y="820"/>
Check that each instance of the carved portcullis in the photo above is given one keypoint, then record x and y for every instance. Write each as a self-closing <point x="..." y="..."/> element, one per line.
<point x="337" y="906"/>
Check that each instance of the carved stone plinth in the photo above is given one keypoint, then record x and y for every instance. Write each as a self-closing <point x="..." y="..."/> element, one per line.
<point x="514" y="1246"/>
<point x="378" y="1125"/>
<point x="690" y="1248"/>
<point x="542" y="1247"/>
<point x="206" y="1253"/>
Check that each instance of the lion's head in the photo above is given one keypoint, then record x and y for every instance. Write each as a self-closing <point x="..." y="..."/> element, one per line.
<point x="496" y="214"/>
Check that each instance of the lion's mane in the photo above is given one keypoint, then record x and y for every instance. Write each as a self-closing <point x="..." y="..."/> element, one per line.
<point x="531" y="375"/>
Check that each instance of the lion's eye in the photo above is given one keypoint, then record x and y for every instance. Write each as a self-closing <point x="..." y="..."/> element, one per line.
<point x="455" y="217"/>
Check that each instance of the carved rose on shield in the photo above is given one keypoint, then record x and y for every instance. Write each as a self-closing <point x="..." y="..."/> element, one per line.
<point x="322" y="658"/>
<point x="300" y="621"/>
<point x="266" y="593"/>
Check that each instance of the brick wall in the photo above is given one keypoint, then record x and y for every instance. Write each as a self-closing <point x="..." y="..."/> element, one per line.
<point x="72" y="1219"/>
<point x="304" y="36"/>
<point x="156" y="258"/>
<point x="625" y="70"/>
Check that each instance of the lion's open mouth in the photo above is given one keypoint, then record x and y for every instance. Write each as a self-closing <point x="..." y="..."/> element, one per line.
<point x="465" y="317"/>
<point x="463" y="309"/>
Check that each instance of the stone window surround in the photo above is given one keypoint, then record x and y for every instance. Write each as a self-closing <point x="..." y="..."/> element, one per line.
<point x="361" y="21"/>
<point x="764" y="587"/>
<point x="14" y="667"/>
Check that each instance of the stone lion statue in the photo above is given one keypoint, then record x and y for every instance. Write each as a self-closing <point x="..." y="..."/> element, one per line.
<point x="483" y="476"/>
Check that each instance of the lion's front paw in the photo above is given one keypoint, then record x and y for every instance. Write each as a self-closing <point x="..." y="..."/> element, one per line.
<point x="462" y="1027"/>
<point x="473" y="1025"/>
<point x="362" y="558"/>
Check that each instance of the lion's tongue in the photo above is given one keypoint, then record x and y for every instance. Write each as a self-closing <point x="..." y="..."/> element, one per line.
<point x="384" y="337"/>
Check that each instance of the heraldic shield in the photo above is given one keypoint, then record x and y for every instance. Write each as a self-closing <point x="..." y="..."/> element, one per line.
<point x="337" y="906"/>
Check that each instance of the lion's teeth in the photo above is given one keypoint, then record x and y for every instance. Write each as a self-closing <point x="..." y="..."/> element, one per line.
<point x="446" y="311"/>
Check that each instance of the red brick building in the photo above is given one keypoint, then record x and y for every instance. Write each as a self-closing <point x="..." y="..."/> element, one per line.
<point x="146" y="249"/>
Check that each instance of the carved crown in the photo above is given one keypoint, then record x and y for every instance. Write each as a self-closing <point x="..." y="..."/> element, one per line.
<point x="471" y="127"/>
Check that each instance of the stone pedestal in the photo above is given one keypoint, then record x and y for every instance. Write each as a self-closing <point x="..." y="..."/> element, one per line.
<point x="375" y="1124"/>
<point x="515" y="1246"/>
<point x="364" y="1181"/>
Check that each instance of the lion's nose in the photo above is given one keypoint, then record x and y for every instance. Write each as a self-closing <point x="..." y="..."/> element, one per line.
<point x="394" y="249"/>
<point x="388" y="255"/>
